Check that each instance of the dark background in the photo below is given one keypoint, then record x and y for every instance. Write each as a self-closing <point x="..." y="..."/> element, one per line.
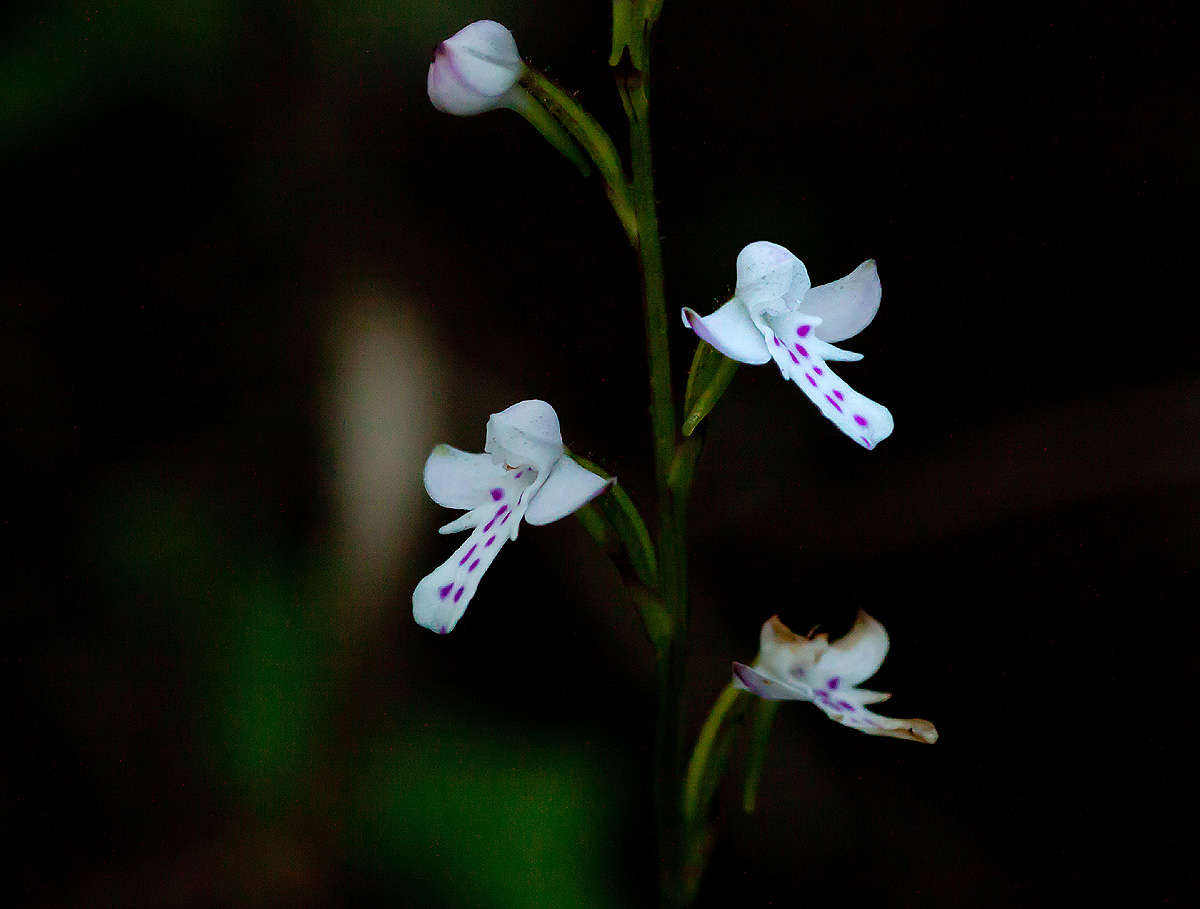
<point x="251" y="277"/>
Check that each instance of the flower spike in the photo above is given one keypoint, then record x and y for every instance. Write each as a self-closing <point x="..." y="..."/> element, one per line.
<point x="775" y="314"/>
<point x="793" y="667"/>
<point x="522" y="474"/>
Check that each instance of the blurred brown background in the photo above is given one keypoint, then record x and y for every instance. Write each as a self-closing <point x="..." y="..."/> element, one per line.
<point x="251" y="277"/>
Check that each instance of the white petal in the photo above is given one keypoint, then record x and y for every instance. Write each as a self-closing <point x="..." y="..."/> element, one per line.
<point x="914" y="730"/>
<point x="767" y="272"/>
<point x="783" y="654"/>
<point x="801" y="357"/>
<point x="442" y="596"/>
<point x="730" y="331"/>
<point x="867" y="696"/>
<point x="857" y="656"/>
<point x="459" y="524"/>
<point x="767" y="688"/>
<point x="435" y="612"/>
<point x="846" y="306"/>
<point x="845" y="708"/>
<point x="568" y="487"/>
<point x="525" y="434"/>
<point x="460" y="479"/>
<point x="827" y="351"/>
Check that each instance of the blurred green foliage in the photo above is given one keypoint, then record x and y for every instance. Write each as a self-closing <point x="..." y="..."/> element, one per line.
<point x="477" y="819"/>
<point x="252" y="644"/>
<point x="74" y="57"/>
<point x="439" y="805"/>
<point x="73" y="61"/>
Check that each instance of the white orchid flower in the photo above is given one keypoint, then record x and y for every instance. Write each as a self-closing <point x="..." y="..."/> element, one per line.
<point x="475" y="70"/>
<point x="791" y="667"/>
<point x="522" y="475"/>
<point x="776" y="314"/>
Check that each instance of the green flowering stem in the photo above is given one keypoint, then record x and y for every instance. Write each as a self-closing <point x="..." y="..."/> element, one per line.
<point x="632" y="83"/>
<point x="592" y="138"/>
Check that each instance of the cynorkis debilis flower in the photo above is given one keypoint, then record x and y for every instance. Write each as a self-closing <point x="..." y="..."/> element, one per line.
<point x="775" y="314"/>
<point x="523" y="474"/>
<point x="792" y="667"/>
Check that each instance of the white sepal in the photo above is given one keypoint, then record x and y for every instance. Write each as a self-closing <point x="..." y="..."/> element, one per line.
<point x="458" y="479"/>
<point x="731" y="331"/>
<point x="568" y="488"/>
<point x="846" y="306"/>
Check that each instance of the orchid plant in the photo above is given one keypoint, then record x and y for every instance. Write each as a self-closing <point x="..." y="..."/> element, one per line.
<point x="526" y="474"/>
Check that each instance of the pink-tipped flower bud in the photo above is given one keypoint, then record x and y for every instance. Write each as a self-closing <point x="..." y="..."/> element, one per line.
<point x="475" y="70"/>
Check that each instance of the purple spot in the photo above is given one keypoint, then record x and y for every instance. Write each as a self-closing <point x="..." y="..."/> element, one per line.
<point x="474" y="565"/>
<point x="463" y="560"/>
<point x="505" y="521"/>
<point x="818" y="370"/>
<point x="833" y="683"/>
<point x="835" y="404"/>
<point x="488" y="525"/>
<point x="491" y="540"/>
<point x="800" y="350"/>
<point x="867" y="442"/>
<point x="497" y="494"/>
<point x="793" y="356"/>
<point x="846" y="705"/>
<point x="445" y="591"/>
<point x="520" y="473"/>
<point x="860" y="419"/>
<point x="443" y="630"/>
<point x="840" y="396"/>
<point x="458" y="595"/>
<point x="778" y="343"/>
<point x="803" y="330"/>
<point x="811" y="380"/>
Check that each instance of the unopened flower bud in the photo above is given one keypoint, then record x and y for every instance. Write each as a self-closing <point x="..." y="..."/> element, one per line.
<point x="475" y="70"/>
